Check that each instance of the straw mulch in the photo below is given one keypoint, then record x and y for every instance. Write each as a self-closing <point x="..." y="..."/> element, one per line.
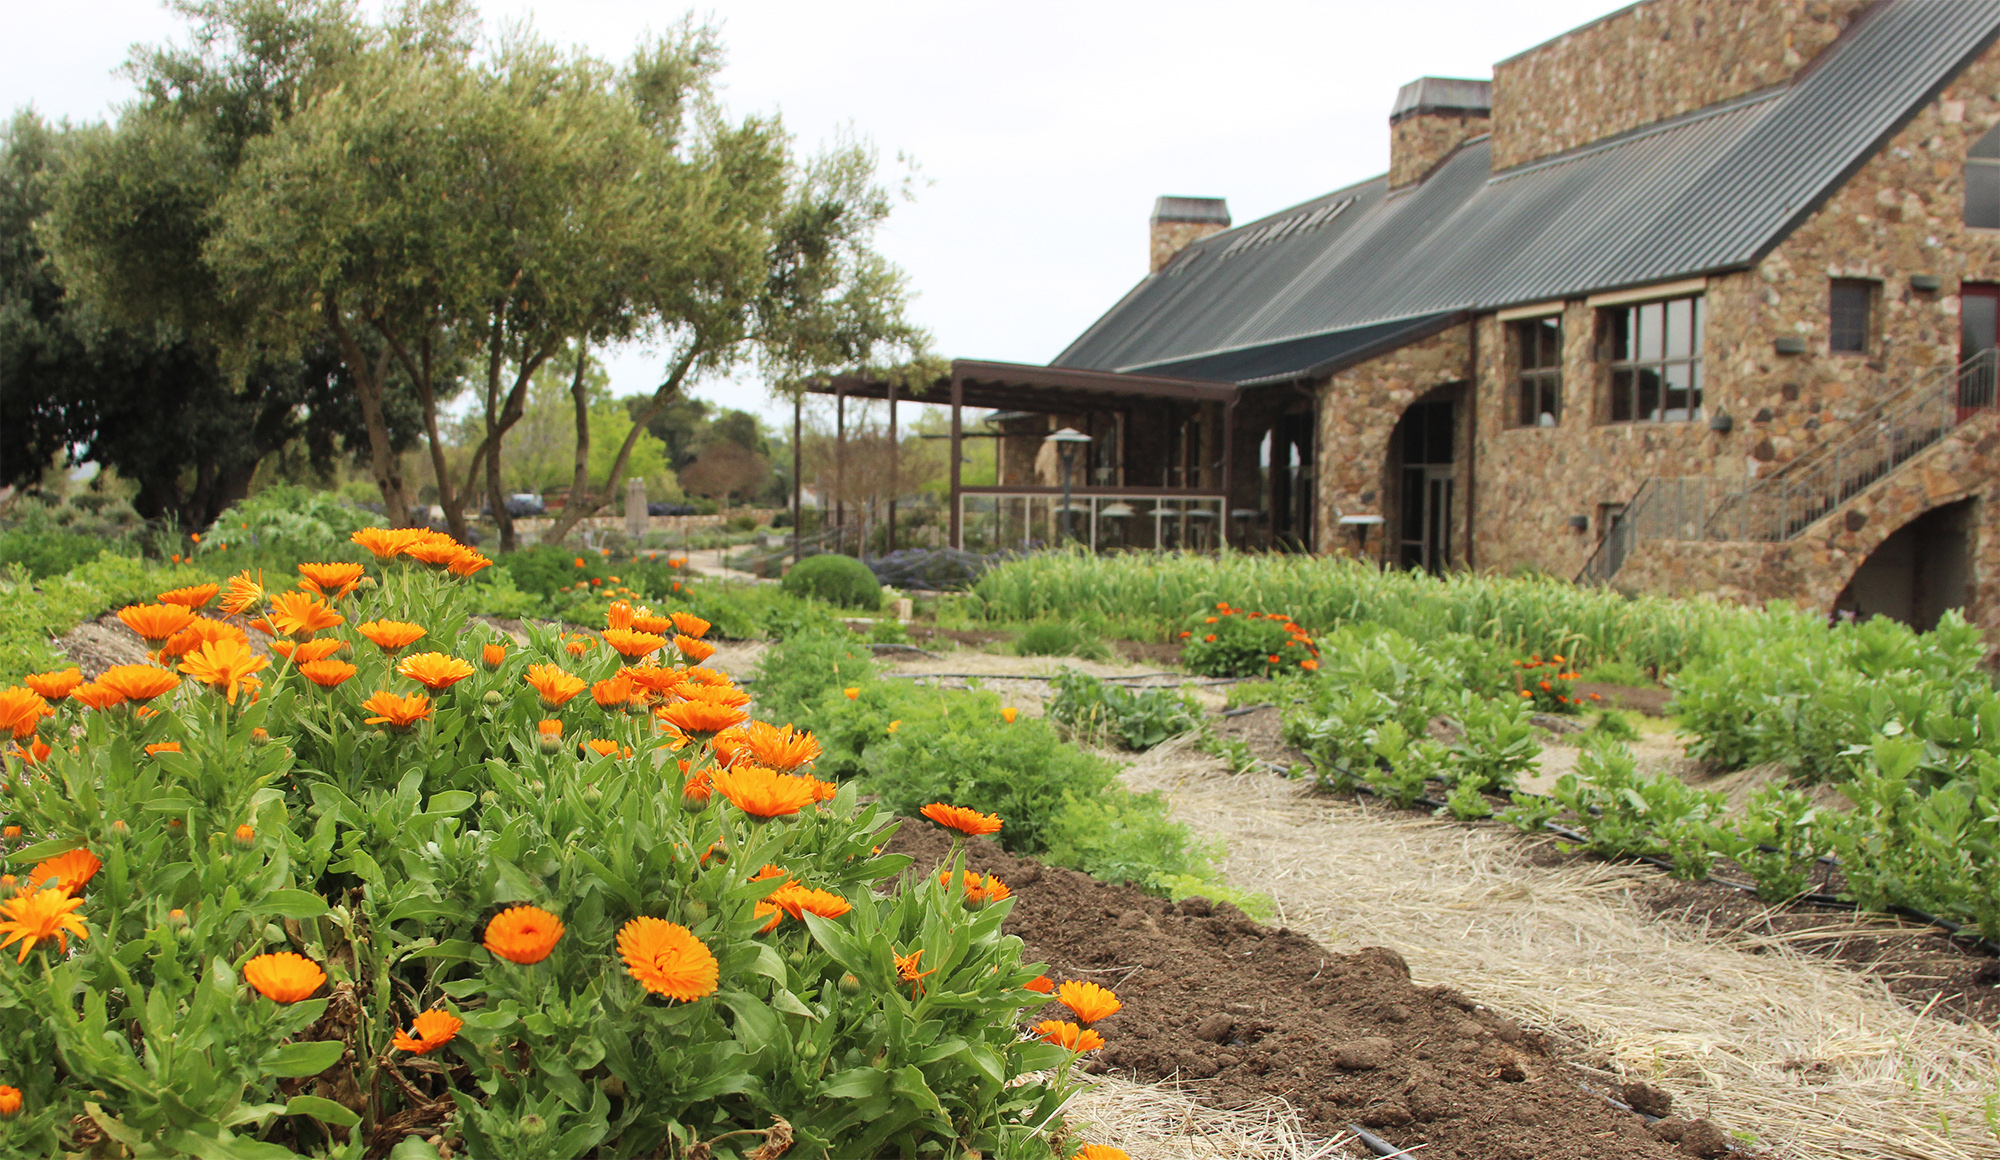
<point x="1162" y="1122"/>
<point x="1814" y="1060"/>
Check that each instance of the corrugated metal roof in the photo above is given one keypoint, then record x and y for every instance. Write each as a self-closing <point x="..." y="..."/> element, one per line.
<point x="1702" y="193"/>
<point x="1191" y="209"/>
<point x="1427" y="93"/>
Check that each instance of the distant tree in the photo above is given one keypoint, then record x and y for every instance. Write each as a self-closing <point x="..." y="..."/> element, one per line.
<point x="680" y="425"/>
<point x="726" y="469"/>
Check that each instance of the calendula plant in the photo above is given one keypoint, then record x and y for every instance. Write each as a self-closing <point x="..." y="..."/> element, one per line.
<point x="404" y="882"/>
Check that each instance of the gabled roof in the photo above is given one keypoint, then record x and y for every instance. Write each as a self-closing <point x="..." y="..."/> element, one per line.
<point x="1294" y="294"/>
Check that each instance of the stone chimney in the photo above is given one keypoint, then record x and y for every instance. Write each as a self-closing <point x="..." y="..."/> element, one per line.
<point x="1432" y="117"/>
<point x="1180" y="221"/>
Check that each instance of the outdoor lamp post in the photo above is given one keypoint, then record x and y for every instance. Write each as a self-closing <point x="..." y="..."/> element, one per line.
<point x="1066" y="440"/>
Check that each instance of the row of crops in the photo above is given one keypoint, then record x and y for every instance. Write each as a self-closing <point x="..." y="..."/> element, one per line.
<point x="1905" y="724"/>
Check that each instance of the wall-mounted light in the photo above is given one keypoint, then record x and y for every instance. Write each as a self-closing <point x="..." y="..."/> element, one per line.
<point x="1928" y="283"/>
<point x="1721" y="423"/>
<point x="1580" y="523"/>
<point x="1789" y="344"/>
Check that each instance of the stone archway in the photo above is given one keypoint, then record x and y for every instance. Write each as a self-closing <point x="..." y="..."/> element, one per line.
<point x="1917" y="572"/>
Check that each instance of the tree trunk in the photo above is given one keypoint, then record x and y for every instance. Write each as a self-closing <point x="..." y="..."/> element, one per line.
<point x="573" y="509"/>
<point x="421" y="369"/>
<point x="368" y="386"/>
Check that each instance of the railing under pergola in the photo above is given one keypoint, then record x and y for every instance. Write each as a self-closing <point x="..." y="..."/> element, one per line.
<point x="1110" y="512"/>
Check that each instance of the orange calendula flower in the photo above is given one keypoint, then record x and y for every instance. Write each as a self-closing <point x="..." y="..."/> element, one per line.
<point x="163" y="747"/>
<point x="22" y="710"/>
<point x="434" y="670"/>
<point x="578" y="646"/>
<point x="620" y="615"/>
<point x="555" y="686"/>
<point x="969" y="822"/>
<point x="36" y="753"/>
<point x="764" y="793"/>
<point x="327" y="674"/>
<point x="156" y="622"/>
<point x="1040" y="984"/>
<point x="10" y="1100"/>
<point x="307" y="651"/>
<point x="689" y="624"/>
<point x="613" y="693"/>
<point x="633" y="645"/>
<point x="385" y="543"/>
<point x="391" y="635"/>
<point x="138" y="682"/>
<point x="202" y="631"/>
<point x="667" y="959"/>
<point x="92" y="695"/>
<point x="701" y="718"/>
<point x="523" y="934"/>
<point x="493" y="655"/>
<point x="694" y="650"/>
<point x="437" y="552"/>
<point x="699" y="788"/>
<point x="1309" y="665"/>
<point x="301" y="614"/>
<point x="398" y="713"/>
<point x="646" y="621"/>
<point x="194" y="596"/>
<point x="1009" y="714"/>
<point x="467" y="562"/>
<point x="853" y="692"/>
<point x="225" y="666"/>
<point x="1100" y="1152"/>
<point x="28" y="918"/>
<point x="1089" y="1001"/>
<point x="242" y="593"/>
<point x="795" y="900"/>
<point x="906" y="969"/>
<point x="781" y="748"/>
<point x="284" y="977"/>
<point x="604" y="748"/>
<point x="429" y="1031"/>
<point x="331" y="580"/>
<point x="549" y="728"/>
<point x="54" y="686"/>
<point x="1068" y="1036"/>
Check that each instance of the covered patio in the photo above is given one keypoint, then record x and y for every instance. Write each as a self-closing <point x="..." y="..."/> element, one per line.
<point x="1105" y="460"/>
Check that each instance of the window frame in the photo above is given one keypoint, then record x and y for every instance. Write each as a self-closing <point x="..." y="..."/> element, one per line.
<point x="1526" y="337"/>
<point x="1637" y="362"/>
<point x="1870" y="291"/>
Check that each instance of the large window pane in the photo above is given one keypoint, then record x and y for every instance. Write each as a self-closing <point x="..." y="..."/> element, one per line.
<point x="1621" y="335"/>
<point x="1680" y="328"/>
<point x="1649" y="330"/>
<point x="1679" y="379"/>
<point x="1621" y="396"/>
<point x="1649" y="394"/>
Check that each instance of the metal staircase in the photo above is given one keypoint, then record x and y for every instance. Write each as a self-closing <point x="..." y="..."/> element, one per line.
<point x="1808" y="489"/>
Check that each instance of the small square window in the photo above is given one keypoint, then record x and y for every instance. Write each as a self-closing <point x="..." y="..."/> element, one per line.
<point x="1849" y="308"/>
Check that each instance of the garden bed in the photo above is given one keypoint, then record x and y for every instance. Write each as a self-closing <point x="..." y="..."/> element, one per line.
<point x="1242" y="1012"/>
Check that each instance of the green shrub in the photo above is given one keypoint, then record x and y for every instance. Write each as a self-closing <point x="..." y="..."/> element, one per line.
<point x="742" y="611"/>
<point x="961" y="750"/>
<point x="1060" y="638"/>
<point x="793" y="675"/>
<point x="888" y="630"/>
<point x="1615" y="672"/>
<point x="836" y="579"/>
<point x="544" y="569"/>
<point x="51" y="553"/>
<point x="283" y="526"/>
<point x="1121" y="836"/>
<point x="1139" y="718"/>
<point x="32" y="614"/>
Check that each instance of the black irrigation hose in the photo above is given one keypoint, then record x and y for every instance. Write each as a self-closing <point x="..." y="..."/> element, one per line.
<point x="1952" y="930"/>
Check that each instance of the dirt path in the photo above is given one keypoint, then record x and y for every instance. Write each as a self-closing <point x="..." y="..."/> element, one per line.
<point x="1812" y="1060"/>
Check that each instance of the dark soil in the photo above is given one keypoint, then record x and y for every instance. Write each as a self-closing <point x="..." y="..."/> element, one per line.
<point x="1920" y="964"/>
<point x="1165" y="654"/>
<point x="1650" y="699"/>
<point x="1240" y="1011"/>
<point x="923" y="633"/>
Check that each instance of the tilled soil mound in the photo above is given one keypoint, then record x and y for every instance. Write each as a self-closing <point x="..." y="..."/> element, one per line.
<point x="1243" y="1011"/>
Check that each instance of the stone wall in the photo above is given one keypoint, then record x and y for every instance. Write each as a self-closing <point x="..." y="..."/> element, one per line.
<point x="1169" y="238"/>
<point x="1649" y="62"/>
<point x="1418" y="141"/>
<point x="1358" y="409"/>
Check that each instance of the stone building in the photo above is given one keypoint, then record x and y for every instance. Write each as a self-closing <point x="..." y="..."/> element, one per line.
<point x="1691" y="298"/>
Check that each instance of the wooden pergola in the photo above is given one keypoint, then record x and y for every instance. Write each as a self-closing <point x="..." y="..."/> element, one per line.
<point x="1021" y="388"/>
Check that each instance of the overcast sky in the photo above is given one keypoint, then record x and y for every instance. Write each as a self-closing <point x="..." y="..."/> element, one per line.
<point x="1043" y="131"/>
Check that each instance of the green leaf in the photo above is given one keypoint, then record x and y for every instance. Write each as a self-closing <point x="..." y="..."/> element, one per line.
<point x="789" y="1003"/>
<point x="326" y="1111"/>
<point x="451" y="801"/>
<point x="295" y="1060"/>
<point x="856" y="1083"/>
<point x="413" y="1148"/>
<point x="292" y="904"/>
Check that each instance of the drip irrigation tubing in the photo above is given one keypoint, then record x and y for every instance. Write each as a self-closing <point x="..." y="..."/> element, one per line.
<point x="1955" y="931"/>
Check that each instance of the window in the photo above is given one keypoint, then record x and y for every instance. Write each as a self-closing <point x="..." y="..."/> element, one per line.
<point x="1849" y="308"/>
<point x="1982" y="183"/>
<point x="1655" y="361"/>
<point x="1538" y="351"/>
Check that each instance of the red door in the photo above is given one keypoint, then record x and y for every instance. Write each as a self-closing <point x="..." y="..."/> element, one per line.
<point x="1978" y="330"/>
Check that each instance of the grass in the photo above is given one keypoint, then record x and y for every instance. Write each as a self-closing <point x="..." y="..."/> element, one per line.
<point x="1149" y="594"/>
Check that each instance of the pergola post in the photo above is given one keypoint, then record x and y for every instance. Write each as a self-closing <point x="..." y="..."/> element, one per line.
<point x="840" y="462"/>
<point x="894" y="453"/>
<point x="957" y="406"/>
<point x="1228" y="464"/>
<point x="798" y="482"/>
